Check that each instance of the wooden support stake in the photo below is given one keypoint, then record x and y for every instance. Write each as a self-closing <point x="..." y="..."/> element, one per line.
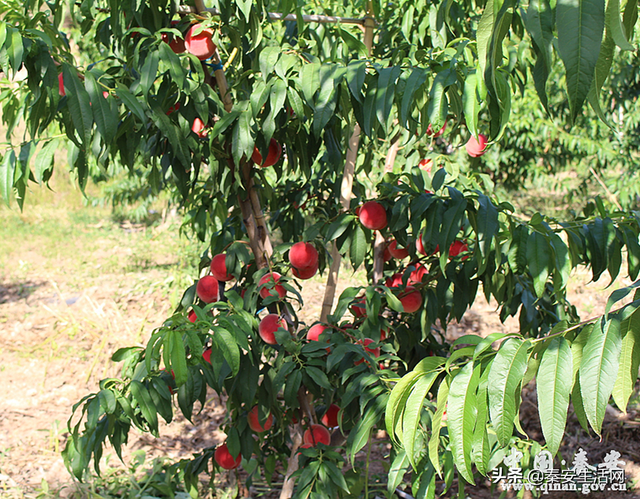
<point x="346" y="190"/>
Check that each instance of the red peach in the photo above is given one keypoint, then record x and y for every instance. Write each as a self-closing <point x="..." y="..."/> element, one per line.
<point x="224" y="458"/>
<point x="303" y="255"/>
<point x="458" y="247"/>
<point x="61" y="85"/>
<point x="425" y="164"/>
<point x="373" y="351"/>
<point x="315" y="331"/>
<point x="174" y="108"/>
<point x="199" y="128"/>
<point x="207" y="289"/>
<point x="411" y="300"/>
<point x="417" y="275"/>
<point x="275" y="151"/>
<point x="359" y="307"/>
<point x="330" y="418"/>
<point x="177" y="43"/>
<point x="386" y="254"/>
<point x="254" y="421"/>
<point x="219" y="268"/>
<point x="476" y="147"/>
<point x="317" y="434"/>
<point x="305" y="273"/>
<point x="206" y="355"/>
<point x="396" y="252"/>
<point x="394" y="281"/>
<point x="192" y="316"/>
<point x="438" y="133"/>
<point x="420" y="245"/>
<point x="200" y="45"/>
<point x="373" y="215"/>
<point x="268" y="326"/>
<point x="268" y="279"/>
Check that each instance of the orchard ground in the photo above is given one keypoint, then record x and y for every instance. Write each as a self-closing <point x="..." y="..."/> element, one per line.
<point x="75" y="286"/>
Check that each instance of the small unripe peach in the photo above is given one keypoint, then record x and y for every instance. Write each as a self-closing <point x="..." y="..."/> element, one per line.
<point x="373" y="215"/>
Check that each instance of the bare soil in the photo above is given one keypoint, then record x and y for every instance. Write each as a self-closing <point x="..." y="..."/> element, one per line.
<point x="59" y="325"/>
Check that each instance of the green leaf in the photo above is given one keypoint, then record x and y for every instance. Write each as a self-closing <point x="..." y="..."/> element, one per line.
<point x="578" y="404"/>
<point x="538" y="257"/>
<point x="413" y="413"/>
<point x="227" y="344"/>
<point x="618" y="295"/>
<point x="613" y="22"/>
<point x="44" y="160"/>
<point x="146" y="405"/>
<point x="505" y="376"/>
<point x="319" y="377"/>
<point x="487" y="225"/>
<point x="580" y="25"/>
<point x="416" y="79"/>
<point x="178" y="356"/>
<point x="131" y="102"/>
<point x="471" y="103"/>
<point x="358" y="248"/>
<point x="170" y="58"/>
<point x="480" y="448"/>
<point x="149" y="71"/>
<point x="553" y="385"/>
<point x="539" y="22"/>
<point x="599" y="369"/>
<point x="436" y="422"/>
<point x="359" y="435"/>
<point x="398" y="468"/>
<point x="438" y="106"/>
<point x="7" y="173"/>
<point x="356" y="72"/>
<point x="106" y="121"/>
<point x="309" y="80"/>
<point x="461" y="417"/>
<point x="15" y="49"/>
<point x="79" y="104"/>
<point x="629" y="361"/>
<point x="397" y="401"/>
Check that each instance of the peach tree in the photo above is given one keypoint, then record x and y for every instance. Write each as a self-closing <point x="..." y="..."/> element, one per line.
<point x="297" y="142"/>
